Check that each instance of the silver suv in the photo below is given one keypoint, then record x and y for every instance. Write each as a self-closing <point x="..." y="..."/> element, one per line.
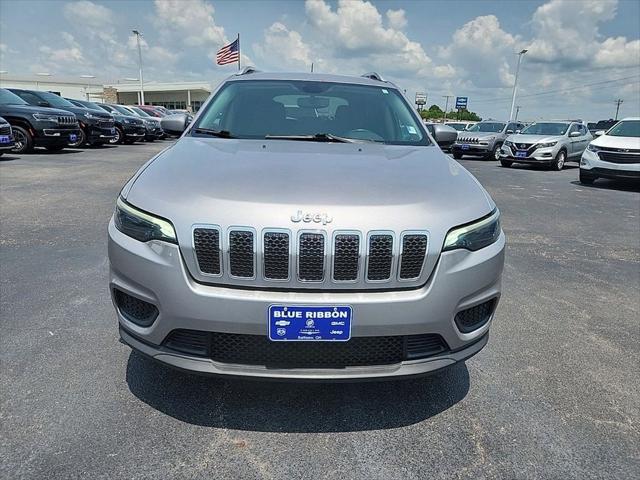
<point x="546" y="143"/>
<point x="305" y="226"/>
<point x="484" y="139"/>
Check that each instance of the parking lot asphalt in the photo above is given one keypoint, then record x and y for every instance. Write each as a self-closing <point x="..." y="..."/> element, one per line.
<point x="554" y="395"/>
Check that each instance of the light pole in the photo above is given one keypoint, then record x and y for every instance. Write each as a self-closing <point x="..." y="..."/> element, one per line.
<point x="86" y="88"/>
<point x="138" y="35"/>
<point x="515" y="83"/>
<point x="517" y="112"/>
<point x="446" y="106"/>
<point x="618" y="102"/>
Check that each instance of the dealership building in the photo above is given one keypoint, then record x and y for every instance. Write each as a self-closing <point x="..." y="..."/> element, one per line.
<point x="173" y="95"/>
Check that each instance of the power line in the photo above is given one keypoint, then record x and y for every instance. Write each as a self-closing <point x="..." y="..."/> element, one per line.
<point x="560" y="90"/>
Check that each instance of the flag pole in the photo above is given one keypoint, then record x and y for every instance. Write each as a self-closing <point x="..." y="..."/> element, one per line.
<point x="238" y="51"/>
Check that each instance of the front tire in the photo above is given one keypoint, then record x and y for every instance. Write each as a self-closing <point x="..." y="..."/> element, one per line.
<point x="586" y="178"/>
<point x="24" y="140"/>
<point x="558" y="162"/>
<point x="82" y="139"/>
<point x="457" y="156"/>
<point x="495" y="153"/>
<point x="506" y="163"/>
<point x="118" y="138"/>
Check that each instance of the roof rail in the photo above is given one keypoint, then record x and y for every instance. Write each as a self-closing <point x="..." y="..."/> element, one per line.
<point x="373" y="76"/>
<point x="248" y="70"/>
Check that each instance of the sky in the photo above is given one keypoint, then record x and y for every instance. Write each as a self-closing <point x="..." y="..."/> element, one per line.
<point x="582" y="54"/>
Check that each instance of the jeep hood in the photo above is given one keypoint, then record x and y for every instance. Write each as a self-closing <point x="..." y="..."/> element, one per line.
<point x="262" y="183"/>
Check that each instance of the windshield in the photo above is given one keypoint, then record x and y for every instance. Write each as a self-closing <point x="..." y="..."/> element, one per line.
<point x="458" y="126"/>
<point x="264" y="108"/>
<point x="139" y="112"/>
<point x="625" y="128"/>
<point x="8" y="98"/>
<point x="493" y="127"/>
<point x="121" y="109"/>
<point x="546" y="129"/>
<point x="55" y="100"/>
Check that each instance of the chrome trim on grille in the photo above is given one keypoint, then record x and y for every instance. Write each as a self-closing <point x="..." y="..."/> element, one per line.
<point x="220" y="248"/>
<point x="401" y="251"/>
<point x="297" y="254"/>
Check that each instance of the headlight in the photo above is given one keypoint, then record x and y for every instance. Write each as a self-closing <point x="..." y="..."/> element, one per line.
<point x="546" y="145"/>
<point x="142" y="226"/>
<point x="476" y="235"/>
<point x="592" y="148"/>
<point x="507" y="143"/>
<point x="126" y="120"/>
<point x="46" y="117"/>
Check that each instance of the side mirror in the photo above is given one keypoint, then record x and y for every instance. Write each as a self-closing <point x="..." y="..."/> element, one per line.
<point x="599" y="132"/>
<point x="42" y="103"/>
<point x="175" y="124"/>
<point x="575" y="134"/>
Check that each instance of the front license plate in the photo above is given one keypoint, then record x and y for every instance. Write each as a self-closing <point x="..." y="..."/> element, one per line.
<point x="73" y="137"/>
<point x="521" y="154"/>
<point x="303" y="323"/>
<point x="464" y="147"/>
<point x="4" y="139"/>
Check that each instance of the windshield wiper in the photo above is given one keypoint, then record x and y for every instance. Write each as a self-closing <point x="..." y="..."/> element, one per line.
<point x="318" y="137"/>
<point x="214" y="133"/>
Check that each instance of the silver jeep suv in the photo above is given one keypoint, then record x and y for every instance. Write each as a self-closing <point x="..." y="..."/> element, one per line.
<point x="305" y="226"/>
<point x="484" y="139"/>
<point x="546" y="143"/>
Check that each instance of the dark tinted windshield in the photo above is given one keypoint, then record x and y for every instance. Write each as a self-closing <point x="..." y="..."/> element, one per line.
<point x="139" y="111"/>
<point x="55" y="100"/>
<point x="261" y="108"/>
<point x="121" y="109"/>
<point x="8" y="98"/>
<point x="492" y="127"/>
<point x="546" y="128"/>
<point x="458" y="126"/>
<point x="626" y="128"/>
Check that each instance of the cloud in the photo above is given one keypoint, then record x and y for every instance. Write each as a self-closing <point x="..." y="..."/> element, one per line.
<point x="287" y="44"/>
<point x="88" y="13"/>
<point x="617" y="52"/>
<point x="397" y="19"/>
<point x="192" y="20"/>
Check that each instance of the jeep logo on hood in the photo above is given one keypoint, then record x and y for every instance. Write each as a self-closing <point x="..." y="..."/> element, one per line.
<point x="300" y="216"/>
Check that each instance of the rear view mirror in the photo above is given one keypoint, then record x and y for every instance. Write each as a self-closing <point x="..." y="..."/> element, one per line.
<point x="509" y="131"/>
<point x="175" y="124"/>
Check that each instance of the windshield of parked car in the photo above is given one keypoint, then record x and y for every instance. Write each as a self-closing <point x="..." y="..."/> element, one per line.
<point x="546" y="128"/>
<point x="312" y="110"/>
<point x="139" y="112"/>
<point x="55" y="100"/>
<point x="492" y="127"/>
<point x="458" y="126"/>
<point x="626" y="128"/>
<point x="9" y="98"/>
<point x="122" y="110"/>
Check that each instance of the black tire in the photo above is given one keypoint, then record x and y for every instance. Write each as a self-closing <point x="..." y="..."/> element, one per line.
<point x="557" y="163"/>
<point x="55" y="148"/>
<point x="495" y="153"/>
<point x="24" y="140"/>
<point x="586" y="178"/>
<point x="506" y="163"/>
<point x="457" y="155"/>
<point x="118" y="138"/>
<point x="82" y="140"/>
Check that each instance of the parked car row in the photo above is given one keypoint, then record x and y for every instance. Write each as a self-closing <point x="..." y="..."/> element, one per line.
<point x="33" y="118"/>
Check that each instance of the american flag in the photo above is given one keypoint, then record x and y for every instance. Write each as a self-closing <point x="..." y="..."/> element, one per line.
<point x="229" y="53"/>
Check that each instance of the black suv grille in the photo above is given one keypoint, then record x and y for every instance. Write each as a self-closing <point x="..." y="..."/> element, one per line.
<point x="414" y="248"/>
<point x="67" y="120"/>
<point x="241" y="253"/>
<point x="207" y="247"/>
<point x="346" y="257"/>
<point x="473" y="318"/>
<point x="380" y="257"/>
<point x="135" y="310"/>
<point x="259" y="350"/>
<point x="276" y="256"/>
<point x="311" y="257"/>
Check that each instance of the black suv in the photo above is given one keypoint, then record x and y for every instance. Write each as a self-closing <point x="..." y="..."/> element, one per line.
<point x="96" y="126"/>
<point x="129" y="128"/>
<point x="6" y="136"/>
<point x="33" y="126"/>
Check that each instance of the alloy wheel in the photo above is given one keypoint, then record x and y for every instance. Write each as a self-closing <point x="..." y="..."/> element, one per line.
<point x="20" y="140"/>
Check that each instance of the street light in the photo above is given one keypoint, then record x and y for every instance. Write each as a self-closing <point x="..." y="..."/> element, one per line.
<point x="86" y="88"/>
<point x="138" y="35"/>
<point x="515" y="83"/>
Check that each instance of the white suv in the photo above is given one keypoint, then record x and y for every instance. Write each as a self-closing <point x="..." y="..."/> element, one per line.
<point x="614" y="154"/>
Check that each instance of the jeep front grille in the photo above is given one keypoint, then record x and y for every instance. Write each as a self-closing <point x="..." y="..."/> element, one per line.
<point x="309" y="259"/>
<point x="66" y="120"/>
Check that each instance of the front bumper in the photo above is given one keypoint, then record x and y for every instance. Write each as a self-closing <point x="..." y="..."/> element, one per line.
<point x="155" y="272"/>
<point x="539" y="155"/>
<point x="95" y="133"/>
<point x="593" y="165"/>
<point x="55" y="136"/>
<point x="134" y="131"/>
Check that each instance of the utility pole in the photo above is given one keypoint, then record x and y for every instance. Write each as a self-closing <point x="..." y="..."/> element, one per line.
<point x="138" y="35"/>
<point x="515" y="83"/>
<point x="517" y="111"/>
<point x="618" y="102"/>
<point x="446" y="106"/>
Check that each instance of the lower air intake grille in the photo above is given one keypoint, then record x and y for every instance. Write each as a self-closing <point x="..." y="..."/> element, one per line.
<point x="241" y="253"/>
<point x="346" y="257"/>
<point x="414" y="248"/>
<point x="135" y="310"/>
<point x="259" y="350"/>
<point x="207" y="247"/>
<point x="311" y="257"/>
<point x="473" y="318"/>
<point x="276" y="255"/>
<point x="380" y="257"/>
